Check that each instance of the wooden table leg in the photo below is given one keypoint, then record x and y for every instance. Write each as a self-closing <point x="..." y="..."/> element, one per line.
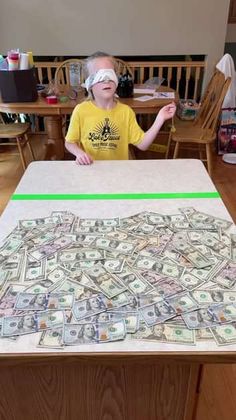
<point x="55" y="143"/>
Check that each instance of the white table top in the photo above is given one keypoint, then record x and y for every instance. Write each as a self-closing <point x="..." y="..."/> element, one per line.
<point x="148" y="176"/>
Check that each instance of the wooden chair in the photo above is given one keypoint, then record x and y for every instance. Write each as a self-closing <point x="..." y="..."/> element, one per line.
<point x="63" y="75"/>
<point x="203" y="130"/>
<point x="123" y="67"/>
<point x="17" y="133"/>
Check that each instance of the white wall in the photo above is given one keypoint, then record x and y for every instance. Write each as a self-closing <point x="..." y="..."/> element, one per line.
<point x="121" y="27"/>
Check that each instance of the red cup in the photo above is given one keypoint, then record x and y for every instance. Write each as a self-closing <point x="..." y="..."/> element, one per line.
<point x="51" y="100"/>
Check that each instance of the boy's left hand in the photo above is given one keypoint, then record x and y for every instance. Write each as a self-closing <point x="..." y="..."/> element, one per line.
<point x="167" y="112"/>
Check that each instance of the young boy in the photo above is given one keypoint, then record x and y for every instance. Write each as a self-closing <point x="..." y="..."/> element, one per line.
<point x="102" y="127"/>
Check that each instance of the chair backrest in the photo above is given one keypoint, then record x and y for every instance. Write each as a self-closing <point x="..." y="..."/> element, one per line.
<point x="70" y="73"/>
<point x="123" y="67"/>
<point x="212" y="101"/>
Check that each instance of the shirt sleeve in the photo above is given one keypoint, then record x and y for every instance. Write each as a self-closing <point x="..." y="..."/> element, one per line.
<point x="73" y="133"/>
<point x="135" y="131"/>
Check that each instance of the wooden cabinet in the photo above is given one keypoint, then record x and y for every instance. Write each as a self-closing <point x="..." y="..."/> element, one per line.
<point x="232" y="12"/>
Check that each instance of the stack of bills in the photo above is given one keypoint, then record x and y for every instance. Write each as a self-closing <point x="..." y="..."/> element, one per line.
<point x="167" y="278"/>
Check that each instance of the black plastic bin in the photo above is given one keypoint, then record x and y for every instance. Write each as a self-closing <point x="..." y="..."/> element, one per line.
<point x="18" y="85"/>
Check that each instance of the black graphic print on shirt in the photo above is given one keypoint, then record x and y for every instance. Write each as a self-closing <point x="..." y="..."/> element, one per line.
<point x="104" y="135"/>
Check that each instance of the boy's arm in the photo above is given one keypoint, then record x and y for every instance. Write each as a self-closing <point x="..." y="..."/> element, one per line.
<point x="164" y="114"/>
<point x="82" y="158"/>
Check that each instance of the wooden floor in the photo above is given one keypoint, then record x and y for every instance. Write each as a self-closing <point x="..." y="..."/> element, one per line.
<point x="218" y="390"/>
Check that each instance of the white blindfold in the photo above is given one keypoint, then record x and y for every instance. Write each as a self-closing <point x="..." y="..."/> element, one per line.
<point x="102" y="75"/>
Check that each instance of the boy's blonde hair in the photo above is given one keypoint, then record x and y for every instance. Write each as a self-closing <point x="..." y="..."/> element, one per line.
<point x="94" y="56"/>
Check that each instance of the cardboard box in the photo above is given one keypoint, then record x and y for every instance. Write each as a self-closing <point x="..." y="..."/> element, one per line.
<point x="18" y="85"/>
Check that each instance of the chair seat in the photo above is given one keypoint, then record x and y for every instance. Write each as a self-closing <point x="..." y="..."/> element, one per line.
<point x="13" y="130"/>
<point x="194" y="135"/>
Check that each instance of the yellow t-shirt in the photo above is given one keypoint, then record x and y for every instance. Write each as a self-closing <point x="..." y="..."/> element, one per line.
<point x="104" y="133"/>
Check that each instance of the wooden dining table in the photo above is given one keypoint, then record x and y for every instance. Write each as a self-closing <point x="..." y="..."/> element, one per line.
<point x="53" y="115"/>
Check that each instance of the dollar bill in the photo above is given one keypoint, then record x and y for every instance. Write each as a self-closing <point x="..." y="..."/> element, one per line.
<point x="43" y="221"/>
<point x="88" y="307"/>
<point x="121" y="247"/>
<point x="224" y="334"/>
<point x="106" y="282"/>
<point x="74" y="255"/>
<point x="131" y="320"/>
<point x="203" y="334"/>
<point x="133" y="281"/>
<point x="192" y="254"/>
<point x="60" y="301"/>
<point x="233" y="247"/>
<point x="159" y="266"/>
<point x="91" y="333"/>
<point x="31" y="301"/>
<point x="51" y="339"/>
<point x="19" y="325"/>
<point x="46" y="250"/>
<point x="50" y="319"/>
<point x="34" y="270"/>
<point x="166" y="333"/>
<point x="8" y="248"/>
<point x="201" y="318"/>
<point x="209" y="297"/>
<point x="157" y="313"/>
<point x="13" y="266"/>
<point x="182" y="303"/>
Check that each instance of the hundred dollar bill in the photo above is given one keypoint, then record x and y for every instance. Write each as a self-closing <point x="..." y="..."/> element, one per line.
<point x="31" y="301"/>
<point x="19" y="325"/>
<point x="88" y="307"/>
<point x="201" y="318"/>
<point x="156" y="313"/>
<point x="131" y="320"/>
<point x="223" y="312"/>
<point x="166" y="333"/>
<point x="224" y="334"/>
<point x="51" y="339"/>
<point x="46" y="250"/>
<point x="106" y="282"/>
<point x="50" y="319"/>
<point x="60" y="301"/>
<point x="90" y="333"/>
<point x="227" y="276"/>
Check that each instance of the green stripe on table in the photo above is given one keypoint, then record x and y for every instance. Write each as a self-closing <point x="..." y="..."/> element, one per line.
<point x="117" y="196"/>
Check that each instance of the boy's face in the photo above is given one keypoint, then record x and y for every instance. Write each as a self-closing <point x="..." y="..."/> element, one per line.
<point x="105" y="89"/>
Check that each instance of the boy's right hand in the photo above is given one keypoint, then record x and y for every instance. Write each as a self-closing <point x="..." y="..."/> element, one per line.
<point x="83" y="159"/>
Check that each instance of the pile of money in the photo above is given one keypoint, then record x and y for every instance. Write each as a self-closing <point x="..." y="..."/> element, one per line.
<point x="149" y="276"/>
